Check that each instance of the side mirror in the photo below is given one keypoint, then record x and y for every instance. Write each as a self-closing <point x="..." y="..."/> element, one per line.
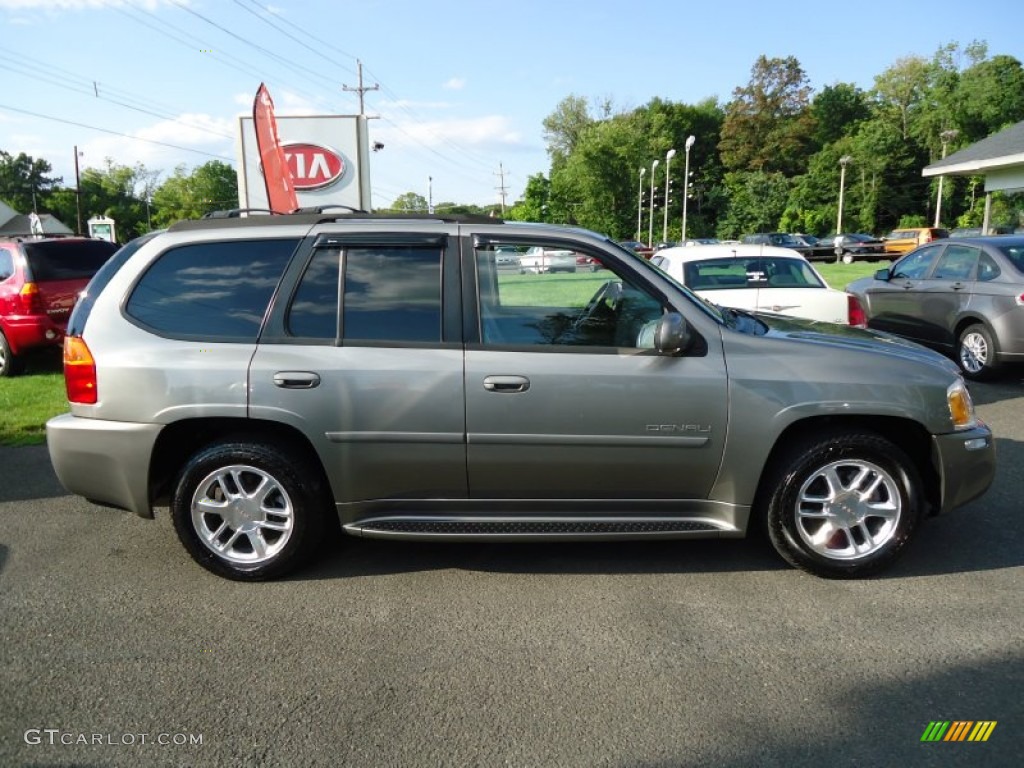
<point x="883" y="275"/>
<point x="672" y="335"/>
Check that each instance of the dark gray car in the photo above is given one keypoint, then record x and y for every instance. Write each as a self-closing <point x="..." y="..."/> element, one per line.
<point x="964" y="297"/>
<point x="268" y="378"/>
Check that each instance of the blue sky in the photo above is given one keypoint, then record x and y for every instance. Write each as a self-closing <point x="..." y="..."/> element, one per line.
<point x="464" y="86"/>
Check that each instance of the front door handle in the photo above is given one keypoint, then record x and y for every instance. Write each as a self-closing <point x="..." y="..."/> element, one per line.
<point x="506" y="383"/>
<point x="296" y="379"/>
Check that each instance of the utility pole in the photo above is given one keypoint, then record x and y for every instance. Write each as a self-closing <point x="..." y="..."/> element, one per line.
<point x="78" y="194"/>
<point x="502" y="189"/>
<point x="361" y="89"/>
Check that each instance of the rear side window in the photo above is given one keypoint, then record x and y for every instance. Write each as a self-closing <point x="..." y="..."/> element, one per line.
<point x="6" y="264"/>
<point x="392" y="294"/>
<point x="216" y="291"/>
<point x="67" y="259"/>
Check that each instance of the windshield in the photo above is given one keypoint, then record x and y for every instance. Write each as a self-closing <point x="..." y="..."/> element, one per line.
<point x="754" y="272"/>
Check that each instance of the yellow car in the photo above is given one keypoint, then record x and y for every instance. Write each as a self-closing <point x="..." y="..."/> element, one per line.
<point x="903" y="240"/>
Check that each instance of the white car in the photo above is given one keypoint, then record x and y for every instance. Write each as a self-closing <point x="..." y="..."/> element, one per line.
<point x="758" y="278"/>
<point x="537" y="260"/>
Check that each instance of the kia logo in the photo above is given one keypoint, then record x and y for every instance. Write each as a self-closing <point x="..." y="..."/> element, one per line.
<point x="313" y="166"/>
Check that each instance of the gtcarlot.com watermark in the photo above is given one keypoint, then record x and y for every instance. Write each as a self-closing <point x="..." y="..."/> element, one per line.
<point x="57" y="737"/>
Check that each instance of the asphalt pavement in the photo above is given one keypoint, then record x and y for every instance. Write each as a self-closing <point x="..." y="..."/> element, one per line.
<point x="115" y="649"/>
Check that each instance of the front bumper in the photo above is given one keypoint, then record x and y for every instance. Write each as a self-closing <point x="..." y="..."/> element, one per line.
<point x="104" y="461"/>
<point x="966" y="463"/>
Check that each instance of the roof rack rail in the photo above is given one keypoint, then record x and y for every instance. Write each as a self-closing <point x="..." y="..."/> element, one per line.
<point x="325" y="208"/>
<point x="234" y="213"/>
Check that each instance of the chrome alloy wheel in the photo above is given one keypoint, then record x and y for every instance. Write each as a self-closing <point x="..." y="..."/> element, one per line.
<point x="848" y="510"/>
<point x="242" y="514"/>
<point x="974" y="352"/>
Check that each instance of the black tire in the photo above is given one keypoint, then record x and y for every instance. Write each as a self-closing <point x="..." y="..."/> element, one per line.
<point x="849" y="535"/>
<point x="976" y="353"/>
<point x="10" y="364"/>
<point x="287" y="521"/>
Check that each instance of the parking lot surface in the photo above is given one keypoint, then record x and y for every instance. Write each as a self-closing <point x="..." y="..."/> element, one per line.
<point x="116" y="649"/>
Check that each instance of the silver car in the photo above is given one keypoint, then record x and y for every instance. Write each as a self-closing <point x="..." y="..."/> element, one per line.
<point x="964" y="297"/>
<point x="269" y="379"/>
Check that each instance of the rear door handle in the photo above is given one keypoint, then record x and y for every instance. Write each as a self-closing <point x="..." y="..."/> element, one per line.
<point x="506" y="383"/>
<point x="296" y="379"/>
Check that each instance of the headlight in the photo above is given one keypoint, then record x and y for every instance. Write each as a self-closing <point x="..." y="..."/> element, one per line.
<point x="961" y="409"/>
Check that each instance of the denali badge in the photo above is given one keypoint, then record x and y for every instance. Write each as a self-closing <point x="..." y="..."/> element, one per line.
<point x="676" y="428"/>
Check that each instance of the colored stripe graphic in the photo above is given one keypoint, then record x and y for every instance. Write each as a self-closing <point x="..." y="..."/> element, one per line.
<point x="935" y="731"/>
<point x="958" y="730"/>
<point x="982" y="730"/>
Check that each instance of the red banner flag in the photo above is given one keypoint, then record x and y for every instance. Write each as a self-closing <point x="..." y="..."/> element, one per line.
<point x="276" y="175"/>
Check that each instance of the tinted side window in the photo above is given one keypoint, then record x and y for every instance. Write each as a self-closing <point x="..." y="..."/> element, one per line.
<point x="314" y="309"/>
<point x="987" y="268"/>
<point x="211" y="290"/>
<point x="957" y="263"/>
<point x="917" y="264"/>
<point x="392" y="293"/>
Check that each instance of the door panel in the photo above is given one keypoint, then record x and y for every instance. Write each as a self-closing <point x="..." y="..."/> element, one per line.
<point x="595" y="426"/>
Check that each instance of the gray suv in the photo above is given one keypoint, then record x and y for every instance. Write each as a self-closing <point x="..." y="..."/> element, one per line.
<point x="270" y="377"/>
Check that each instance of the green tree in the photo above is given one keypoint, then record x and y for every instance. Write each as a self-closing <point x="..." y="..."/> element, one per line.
<point x="534" y="204"/>
<point x="900" y="89"/>
<point x="119" y="192"/>
<point x="410" y="202"/>
<point x="564" y="127"/>
<point x="837" y="109"/>
<point x="990" y="96"/>
<point x="25" y="181"/>
<point x="768" y="125"/>
<point x="757" y="201"/>
<point x="191" y="194"/>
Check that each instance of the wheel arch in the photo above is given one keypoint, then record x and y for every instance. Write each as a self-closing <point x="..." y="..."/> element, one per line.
<point x="910" y="436"/>
<point x="965" y="321"/>
<point x="181" y="439"/>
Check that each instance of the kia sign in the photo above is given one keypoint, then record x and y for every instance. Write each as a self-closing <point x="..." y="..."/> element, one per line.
<point x="328" y="157"/>
<point x="313" y="166"/>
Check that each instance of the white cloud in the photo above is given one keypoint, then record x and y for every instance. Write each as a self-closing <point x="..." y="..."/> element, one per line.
<point x="191" y="131"/>
<point x="455" y="84"/>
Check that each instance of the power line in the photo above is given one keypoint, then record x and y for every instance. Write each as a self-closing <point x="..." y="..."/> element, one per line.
<point x="107" y="130"/>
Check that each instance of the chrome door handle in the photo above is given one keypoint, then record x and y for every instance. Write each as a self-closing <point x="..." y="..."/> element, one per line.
<point x="506" y="383"/>
<point x="296" y="379"/>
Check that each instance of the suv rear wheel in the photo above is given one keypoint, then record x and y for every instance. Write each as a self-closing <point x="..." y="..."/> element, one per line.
<point x="843" y="506"/>
<point x="9" y="364"/>
<point x="248" y="512"/>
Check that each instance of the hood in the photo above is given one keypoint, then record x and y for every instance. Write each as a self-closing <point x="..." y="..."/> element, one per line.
<point x="852" y="338"/>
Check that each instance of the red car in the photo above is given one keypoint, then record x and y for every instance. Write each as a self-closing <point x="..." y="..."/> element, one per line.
<point x="40" y="279"/>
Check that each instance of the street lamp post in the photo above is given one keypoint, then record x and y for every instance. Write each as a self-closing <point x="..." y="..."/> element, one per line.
<point x="640" y="205"/>
<point x="686" y="187"/>
<point x="668" y="185"/>
<point x="946" y="136"/>
<point x="843" y="162"/>
<point x="650" y="224"/>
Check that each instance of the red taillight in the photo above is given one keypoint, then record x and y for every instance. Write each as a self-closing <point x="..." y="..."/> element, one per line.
<point x="855" y="312"/>
<point x="31" y="301"/>
<point x="79" y="371"/>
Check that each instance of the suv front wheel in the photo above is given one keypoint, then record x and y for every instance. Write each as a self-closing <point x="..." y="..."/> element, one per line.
<point x="843" y="506"/>
<point x="247" y="511"/>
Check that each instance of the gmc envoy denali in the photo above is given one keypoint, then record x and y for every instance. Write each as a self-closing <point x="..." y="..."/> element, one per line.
<point x="271" y="377"/>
